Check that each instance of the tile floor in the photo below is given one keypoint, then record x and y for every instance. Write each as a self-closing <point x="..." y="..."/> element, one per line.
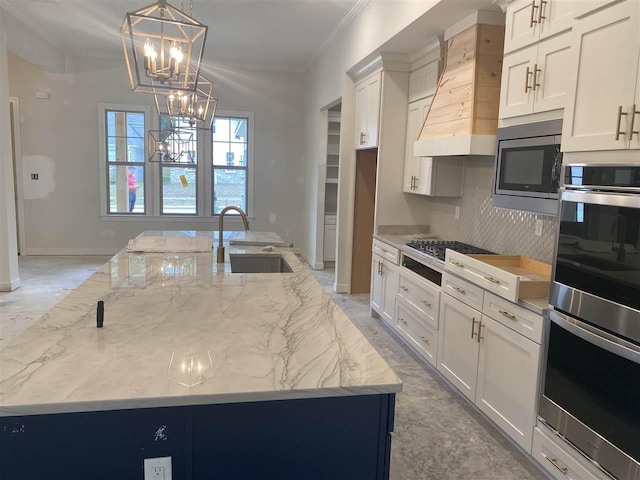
<point x="438" y="434"/>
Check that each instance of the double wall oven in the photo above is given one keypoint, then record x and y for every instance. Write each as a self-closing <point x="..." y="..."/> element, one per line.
<point x="591" y="393"/>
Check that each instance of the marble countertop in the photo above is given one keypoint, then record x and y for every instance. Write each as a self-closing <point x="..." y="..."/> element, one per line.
<point x="180" y="329"/>
<point x="536" y="305"/>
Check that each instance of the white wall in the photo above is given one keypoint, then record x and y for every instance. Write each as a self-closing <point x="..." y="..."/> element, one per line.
<point x="378" y="22"/>
<point x="60" y="136"/>
<point x="9" y="278"/>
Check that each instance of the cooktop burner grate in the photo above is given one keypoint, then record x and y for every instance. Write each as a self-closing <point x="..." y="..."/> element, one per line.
<point x="437" y="248"/>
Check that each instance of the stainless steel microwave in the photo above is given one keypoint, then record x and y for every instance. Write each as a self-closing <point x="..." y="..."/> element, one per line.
<point x="528" y="167"/>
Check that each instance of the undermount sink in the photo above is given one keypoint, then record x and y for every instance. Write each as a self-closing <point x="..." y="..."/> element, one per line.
<point x="244" y="263"/>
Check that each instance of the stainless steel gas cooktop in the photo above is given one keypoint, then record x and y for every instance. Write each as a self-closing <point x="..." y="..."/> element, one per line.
<point x="437" y="248"/>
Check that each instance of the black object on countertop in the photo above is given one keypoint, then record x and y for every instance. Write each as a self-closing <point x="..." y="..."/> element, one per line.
<point x="437" y="248"/>
<point x="100" y="313"/>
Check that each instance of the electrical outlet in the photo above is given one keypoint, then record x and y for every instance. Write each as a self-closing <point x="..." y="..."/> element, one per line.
<point x="457" y="214"/>
<point x="538" y="231"/>
<point x="157" y="468"/>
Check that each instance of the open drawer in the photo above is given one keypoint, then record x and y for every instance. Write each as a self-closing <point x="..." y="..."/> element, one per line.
<point x="509" y="276"/>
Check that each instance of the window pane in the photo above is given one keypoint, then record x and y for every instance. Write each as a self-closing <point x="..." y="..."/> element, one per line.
<point x="229" y="188"/>
<point x="239" y="130"/>
<point x="135" y="125"/>
<point x="221" y="153"/>
<point x="135" y="149"/>
<point x="179" y="190"/>
<point x="111" y="123"/>
<point x="220" y="129"/>
<point x="111" y="149"/>
<point x="126" y="189"/>
<point x="239" y="151"/>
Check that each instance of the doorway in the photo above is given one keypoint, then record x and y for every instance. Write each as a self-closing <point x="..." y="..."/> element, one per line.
<point x="14" y="118"/>
<point x="363" y="220"/>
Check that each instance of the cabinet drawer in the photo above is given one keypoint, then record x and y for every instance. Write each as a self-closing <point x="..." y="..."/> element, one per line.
<point x="423" y="337"/>
<point x="386" y="251"/>
<point x="548" y="451"/>
<point x="464" y="291"/>
<point x="513" y="316"/>
<point x="423" y="297"/>
<point x="509" y="276"/>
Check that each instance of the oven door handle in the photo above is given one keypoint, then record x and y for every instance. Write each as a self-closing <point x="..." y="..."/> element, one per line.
<point x="596" y="337"/>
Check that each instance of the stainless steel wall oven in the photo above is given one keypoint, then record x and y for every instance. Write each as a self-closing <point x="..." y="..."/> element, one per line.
<point x="591" y="394"/>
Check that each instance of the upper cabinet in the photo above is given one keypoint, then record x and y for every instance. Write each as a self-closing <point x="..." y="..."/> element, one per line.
<point x="602" y="105"/>
<point x="423" y="82"/>
<point x="534" y="79"/>
<point x="368" y="111"/>
<point x="529" y="21"/>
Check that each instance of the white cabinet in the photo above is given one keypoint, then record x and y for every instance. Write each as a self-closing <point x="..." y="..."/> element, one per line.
<point x="531" y="20"/>
<point x="603" y="79"/>
<point x="368" y="111"/>
<point x="384" y="286"/>
<point x="421" y="335"/>
<point x="438" y="177"/>
<point x="423" y="81"/>
<point x="506" y="388"/>
<point x="329" y="253"/>
<point x="457" y="344"/>
<point x="493" y="365"/>
<point x="534" y="79"/>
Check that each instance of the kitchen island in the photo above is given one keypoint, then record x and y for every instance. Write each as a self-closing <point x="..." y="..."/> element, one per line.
<point x="234" y="376"/>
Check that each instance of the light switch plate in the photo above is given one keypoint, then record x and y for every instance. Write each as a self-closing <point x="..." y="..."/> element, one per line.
<point x="158" y="468"/>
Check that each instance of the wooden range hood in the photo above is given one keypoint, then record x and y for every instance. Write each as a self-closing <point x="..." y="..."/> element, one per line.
<point x="463" y="116"/>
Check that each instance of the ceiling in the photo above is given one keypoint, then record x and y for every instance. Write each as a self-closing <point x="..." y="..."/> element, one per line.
<point x="271" y="34"/>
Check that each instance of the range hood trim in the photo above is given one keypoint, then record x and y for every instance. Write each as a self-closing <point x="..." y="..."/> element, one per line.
<point x="453" y="146"/>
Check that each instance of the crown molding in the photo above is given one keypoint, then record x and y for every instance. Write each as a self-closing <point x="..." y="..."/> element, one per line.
<point x="26" y="21"/>
<point x="502" y="4"/>
<point x="484" y="17"/>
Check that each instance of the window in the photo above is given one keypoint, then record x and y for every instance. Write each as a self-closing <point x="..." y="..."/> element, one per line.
<point x="180" y="173"/>
<point x="230" y="162"/>
<point x="183" y="184"/>
<point x="125" y="161"/>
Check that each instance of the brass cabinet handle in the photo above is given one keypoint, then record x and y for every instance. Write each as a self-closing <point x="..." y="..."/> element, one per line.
<point x="536" y="70"/>
<point x="426" y="304"/>
<point x="379" y="268"/>
<point x="425" y="340"/>
<point x="634" y="112"/>
<point x="493" y="280"/>
<point x="554" y="462"/>
<point x="404" y="322"/>
<point x="533" y="14"/>
<point x="457" y="264"/>
<point x="527" y="87"/>
<point x="362" y="141"/>
<point x="620" y="114"/>
<point x="507" y="314"/>
<point x="459" y="290"/>
<point x="404" y="288"/>
<point x="480" y="337"/>
<point x="541" y="11"/>
<point x="473" y="325"/>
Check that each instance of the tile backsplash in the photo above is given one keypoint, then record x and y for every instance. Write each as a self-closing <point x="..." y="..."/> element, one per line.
<point x="500" y="230"/>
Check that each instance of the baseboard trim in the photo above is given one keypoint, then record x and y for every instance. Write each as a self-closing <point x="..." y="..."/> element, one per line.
<point x="312" y="263"/>
<point x="10" y="286"/>
<point x="340" y="287"/>
<point x="67" y="251"/>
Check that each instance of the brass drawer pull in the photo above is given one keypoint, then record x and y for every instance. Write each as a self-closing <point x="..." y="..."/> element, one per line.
<point x="404" y="288"/>
<point x="425" y="340"/>
<point x="634" y="112"/>
<point x="457" y="264"/>
<point x="480" y="337"/>
<point x="620" y="114"/>
<point x="533" y="14"/>
<point x="507" y="314"/>
<point x="554" y="462"/>
<point x="541" y="11"/>
<point x="459" y="290"/>
<point x="493" y="280"/>
<point x="404" y="322"/>
<point x="527" y="87"/>
<point x="361" y="138"/>
<point x="536" y="70"/>
<point x="426" y="304"/>
<point x="473" y="326"/>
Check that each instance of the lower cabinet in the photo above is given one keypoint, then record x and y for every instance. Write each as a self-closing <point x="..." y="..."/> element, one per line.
<point x="492" y="365"/>
<point x="384" y="286"/>
<point x="421" y="335"/>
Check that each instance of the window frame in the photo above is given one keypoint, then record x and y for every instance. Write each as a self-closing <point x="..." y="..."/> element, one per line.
<point x="103" y="109"/>
<point x="249" y="169"/>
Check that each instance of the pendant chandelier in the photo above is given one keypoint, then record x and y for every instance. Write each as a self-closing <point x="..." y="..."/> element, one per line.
<point x="172" y="146"/>
<point x="197" y="109"/>
<point x="163" y="49"/>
